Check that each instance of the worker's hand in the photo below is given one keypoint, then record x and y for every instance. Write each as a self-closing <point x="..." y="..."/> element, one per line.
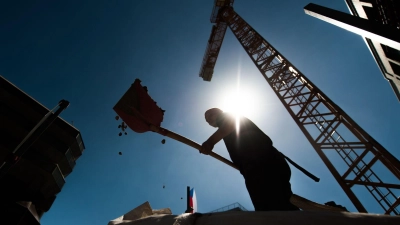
<point x="206" y="148"/>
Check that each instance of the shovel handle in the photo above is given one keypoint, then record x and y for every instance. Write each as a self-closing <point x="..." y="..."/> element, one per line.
<point x="189" y="142"/>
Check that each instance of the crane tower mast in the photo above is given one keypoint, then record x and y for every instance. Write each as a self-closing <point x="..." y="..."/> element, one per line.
<point x="325" y="125"/>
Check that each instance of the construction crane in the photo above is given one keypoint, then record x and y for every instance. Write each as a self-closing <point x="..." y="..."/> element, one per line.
<point x="325" y="125"/>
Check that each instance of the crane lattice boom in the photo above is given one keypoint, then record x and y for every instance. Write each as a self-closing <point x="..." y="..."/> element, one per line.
<point x="326" y="125"/>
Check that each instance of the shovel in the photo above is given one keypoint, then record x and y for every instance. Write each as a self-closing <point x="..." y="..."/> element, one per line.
<point x="141" y="114"/>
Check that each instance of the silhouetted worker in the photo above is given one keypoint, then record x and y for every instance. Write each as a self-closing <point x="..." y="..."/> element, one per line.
<point x="264" y="169"/>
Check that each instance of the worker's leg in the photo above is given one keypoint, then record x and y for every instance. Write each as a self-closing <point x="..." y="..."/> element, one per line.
<point x="269" y="187"/>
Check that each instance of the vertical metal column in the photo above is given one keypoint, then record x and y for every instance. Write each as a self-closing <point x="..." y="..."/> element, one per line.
<point x="188" y="208"/>
<point x="327" y="127"/>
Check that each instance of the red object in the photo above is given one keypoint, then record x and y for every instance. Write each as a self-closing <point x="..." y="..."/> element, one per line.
<point x="138" y="110"/>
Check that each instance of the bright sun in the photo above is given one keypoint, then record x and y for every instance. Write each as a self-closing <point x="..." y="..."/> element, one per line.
<point x="239" y="102"/>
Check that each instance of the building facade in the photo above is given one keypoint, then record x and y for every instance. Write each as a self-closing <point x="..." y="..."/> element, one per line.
<point x="378" y="21"/>
<point x="387" y="13"/>
<point x="29" y="188"/>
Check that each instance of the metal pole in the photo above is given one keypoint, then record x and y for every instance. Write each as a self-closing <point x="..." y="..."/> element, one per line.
<point x="31" y="138"/>
<point x="188" y="208"/>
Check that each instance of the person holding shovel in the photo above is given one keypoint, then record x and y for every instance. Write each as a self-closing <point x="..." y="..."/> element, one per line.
<point x="265" y="171"/>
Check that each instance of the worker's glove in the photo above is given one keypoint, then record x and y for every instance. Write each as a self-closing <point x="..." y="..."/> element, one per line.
<point x="206" y="148"/>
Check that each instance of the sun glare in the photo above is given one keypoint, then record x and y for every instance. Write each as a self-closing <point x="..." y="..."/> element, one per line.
<point x="239" y="102"/>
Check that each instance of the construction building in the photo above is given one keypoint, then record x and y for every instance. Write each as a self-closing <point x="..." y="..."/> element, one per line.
<point x="378" y="21"/>
<point x="30" y="185"/>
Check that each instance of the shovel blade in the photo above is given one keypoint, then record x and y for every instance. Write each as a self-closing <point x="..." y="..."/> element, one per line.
<point x="138" y="110"/>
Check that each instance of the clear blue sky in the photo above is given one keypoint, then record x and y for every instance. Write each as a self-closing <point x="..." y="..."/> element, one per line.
<point x="89" y="52"/>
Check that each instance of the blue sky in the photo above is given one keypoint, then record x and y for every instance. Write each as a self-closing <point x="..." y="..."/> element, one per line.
<point x="89" y="52"/>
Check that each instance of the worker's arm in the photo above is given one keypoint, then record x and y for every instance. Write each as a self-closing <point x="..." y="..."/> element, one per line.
<point x="227" y="127"/>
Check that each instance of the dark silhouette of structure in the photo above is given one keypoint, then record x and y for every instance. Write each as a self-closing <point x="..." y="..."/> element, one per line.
<point x="378" y="21"/>
<point x="34" y="165"/>
<point x="333" y="204"/>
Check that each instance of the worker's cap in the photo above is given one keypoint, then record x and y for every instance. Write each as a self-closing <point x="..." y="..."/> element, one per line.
<point x="212" y="111"/>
